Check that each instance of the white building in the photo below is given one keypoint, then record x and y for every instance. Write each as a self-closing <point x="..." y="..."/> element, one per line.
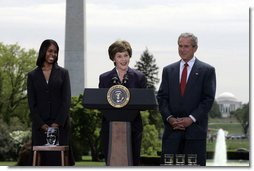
<point x="227" y="102"/>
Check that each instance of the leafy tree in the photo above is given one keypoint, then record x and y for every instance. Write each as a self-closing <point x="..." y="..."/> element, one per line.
<point x="215" y="111"/>
<point x="86" y="125"/>
<point x="242" y="115"/>
<point x="15" y="63"/>
<point x="151" y="143"/>
<point x="8" y="149"/>
<point x="1" y="94"/>
<point x="148" y="66"/>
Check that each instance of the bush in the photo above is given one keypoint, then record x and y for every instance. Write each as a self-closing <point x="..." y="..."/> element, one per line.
<point x="8" y="150"/>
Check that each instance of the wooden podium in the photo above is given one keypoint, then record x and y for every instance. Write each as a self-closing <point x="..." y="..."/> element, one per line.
<point x="120" y="150"/>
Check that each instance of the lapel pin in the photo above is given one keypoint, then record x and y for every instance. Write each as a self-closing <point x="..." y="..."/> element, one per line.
<point x="196" y="73"/>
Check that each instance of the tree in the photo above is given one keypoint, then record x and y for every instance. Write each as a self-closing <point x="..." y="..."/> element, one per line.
<point x="15" y="63"/>
<point x="8" y="149"/>
<point x="242" y="115"/>
<point x="86" y="125"/>
<point x="148" y="66"/>
<point x="215" y="111"/>
<point x="1" y="92"/>
<point x="151" y="143"/>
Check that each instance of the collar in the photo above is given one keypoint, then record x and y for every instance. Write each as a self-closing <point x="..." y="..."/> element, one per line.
<point x="125" y="73"/>
<point x="190" y="62"/>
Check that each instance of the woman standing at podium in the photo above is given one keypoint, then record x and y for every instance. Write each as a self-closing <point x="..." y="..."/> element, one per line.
<point x="120" y="53"/>
<point x="49" y="98"/>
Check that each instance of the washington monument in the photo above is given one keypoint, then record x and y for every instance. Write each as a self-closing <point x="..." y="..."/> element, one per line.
<point x="75" y="50"/>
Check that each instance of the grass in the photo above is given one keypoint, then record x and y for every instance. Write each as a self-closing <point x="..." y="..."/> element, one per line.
<point x="77" y="164"/>
<point x="232" y="126"/>
<point x="229" y="124"/>
<point x="89" y="164"/>
<point x="232" y="145"/>
<point x="86" y="162"/>
<point x="7" y="163"/>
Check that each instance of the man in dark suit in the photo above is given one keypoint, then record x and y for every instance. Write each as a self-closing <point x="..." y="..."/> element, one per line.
<point x="185" y="96"/>
<point x="120" y="53"/>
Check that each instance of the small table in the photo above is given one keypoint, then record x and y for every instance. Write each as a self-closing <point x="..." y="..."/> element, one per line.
<point x="63" y="149"/>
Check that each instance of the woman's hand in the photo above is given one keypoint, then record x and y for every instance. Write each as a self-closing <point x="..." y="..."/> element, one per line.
<point x="44" y="127"/>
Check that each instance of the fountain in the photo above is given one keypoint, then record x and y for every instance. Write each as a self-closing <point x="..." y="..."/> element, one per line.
<point x="220" y="157"/>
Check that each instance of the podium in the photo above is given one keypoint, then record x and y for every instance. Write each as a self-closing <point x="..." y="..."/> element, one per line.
<point x="120" y="150"/>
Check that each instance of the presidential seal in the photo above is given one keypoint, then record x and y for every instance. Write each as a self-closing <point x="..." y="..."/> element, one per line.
<point x="118" y="96"/>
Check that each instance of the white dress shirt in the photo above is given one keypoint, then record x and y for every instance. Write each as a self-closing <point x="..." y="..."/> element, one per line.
<point x="190" y="65"/>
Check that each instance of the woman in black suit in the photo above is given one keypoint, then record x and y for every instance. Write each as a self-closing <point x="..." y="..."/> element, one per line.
<point x="120" y="53"/>
<point x="49" y="98"/>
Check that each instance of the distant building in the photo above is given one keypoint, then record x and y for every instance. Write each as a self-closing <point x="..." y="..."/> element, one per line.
<point x="227" y="103"/>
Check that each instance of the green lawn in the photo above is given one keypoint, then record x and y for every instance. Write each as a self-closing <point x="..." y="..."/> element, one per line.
<point x="86" y="162"/>
<point x="77" y="164"/>
<point x="6" y="163"/>
<point x="90" y="163"/>
<point x="231" y="125"/>
<point x="232" y="145"/>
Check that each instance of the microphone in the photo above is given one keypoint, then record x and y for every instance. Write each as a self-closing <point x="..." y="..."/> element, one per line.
<point x="125" y="79"/>
<point x="115" y="80"/>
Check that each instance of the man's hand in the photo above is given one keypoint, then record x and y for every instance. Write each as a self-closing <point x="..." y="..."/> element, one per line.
<point x="176" y="124"/>
<point x="180" y="123"/>
<point x="185" y="121"/>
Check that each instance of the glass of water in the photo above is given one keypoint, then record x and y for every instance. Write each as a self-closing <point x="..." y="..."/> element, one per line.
<point x="192" y="159"/>
<point x="180" y="159"/>
<point x="168" y="159"/>
<point x="52" y="136"/>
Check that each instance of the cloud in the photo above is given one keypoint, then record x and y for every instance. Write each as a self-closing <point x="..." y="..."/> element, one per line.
<point x="30" y="25"/>
<point x="222" y="27"/>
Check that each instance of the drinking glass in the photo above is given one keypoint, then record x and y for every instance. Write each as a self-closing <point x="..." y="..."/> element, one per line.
<point x="168" y="159"/>
<point x="180" y="159"/>
<point x="192" y="159"/>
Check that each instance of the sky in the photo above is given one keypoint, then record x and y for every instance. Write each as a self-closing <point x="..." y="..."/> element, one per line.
<point x="222" y="28"/>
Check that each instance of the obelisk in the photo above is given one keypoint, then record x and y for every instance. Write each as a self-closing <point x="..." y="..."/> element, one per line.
<point x="75" y="48"/>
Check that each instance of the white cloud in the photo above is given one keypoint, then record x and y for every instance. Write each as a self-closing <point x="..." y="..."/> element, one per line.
<point x="30" y="25"/>
<point x="221" y="26"/>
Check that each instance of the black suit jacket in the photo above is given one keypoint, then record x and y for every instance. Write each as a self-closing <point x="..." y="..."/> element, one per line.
<point x="136" y="79"/>
<point x="49" y="103"/>
<point x="197" y="100"/>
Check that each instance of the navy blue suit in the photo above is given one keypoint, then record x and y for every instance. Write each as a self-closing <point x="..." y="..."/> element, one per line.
<point x="197" y="101"/>
<point x="135" y="80"/>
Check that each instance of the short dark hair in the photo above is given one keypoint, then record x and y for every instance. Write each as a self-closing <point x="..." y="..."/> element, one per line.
<point x="194" y="39"/>
<point x="43" y="50"/>
<point x="119" y="46"/>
